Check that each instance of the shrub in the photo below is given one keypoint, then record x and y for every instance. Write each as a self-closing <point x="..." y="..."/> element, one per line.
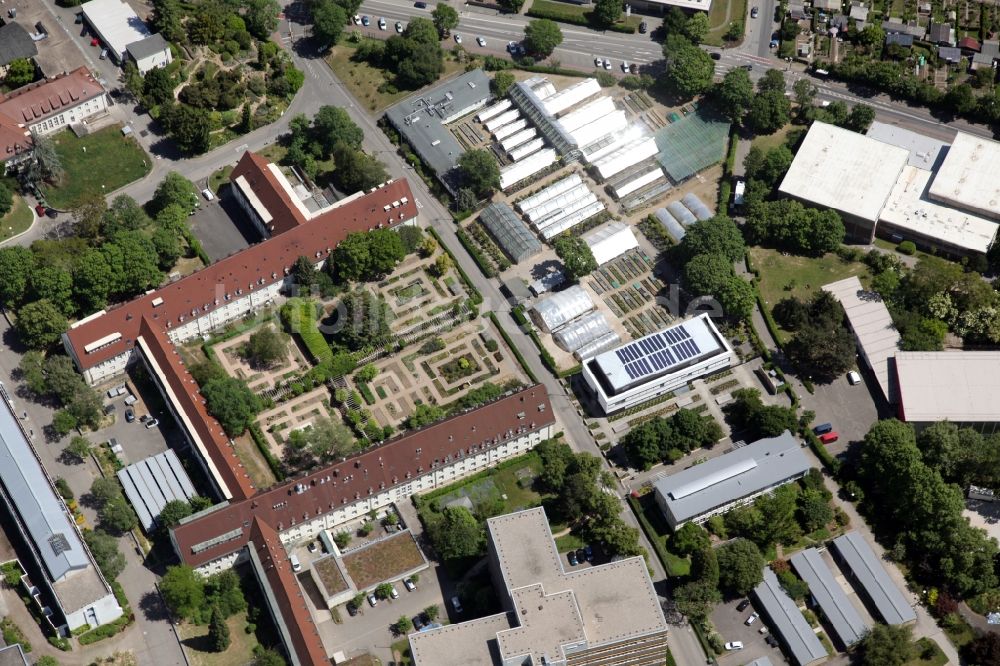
<point x="492" y="346"/>
<point x="299" y="317"/>
<point x="907" y="247"/>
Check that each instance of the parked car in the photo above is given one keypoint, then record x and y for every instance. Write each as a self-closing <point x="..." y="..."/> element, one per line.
<point x="829" y="438"/>
<point x="643" y="27"/>
<point x="588" y="553"/>
<point x="853" y="378"/>
<point x="352" y="610"/>
<point x="598" y="62"/>
<point x="734" y="645"/>
<point x="571" y="556"/>
<point x="399" y="27"/>
<point x="420" y="5"/>
<point x="357" y="19"/>
<point x="79" y="18"/>
<point x="152" y="423"/>
<point x="104" y="54"/>
<point x="771" y="640"/>
<point x="607" y="64"/>
<point x="481" y="41"/>
<point x="381" y="23"/>
<point x="129" y="415"/>
<point x="312" y="547"/>
<point x="456" y="604"/>
<point x="409" y="584"/>
<point x="418" y="623"/>
<point x="372" y="600"/>
<point x="750" y="620"/>
<point x="458" y="38"/>
<point x="749" y="68"/>
<point x="581" y="556"/>
<point x="625" y="66"/>
<point x="743" y="606"/>
<point x="393" y="592"/>
<point x="822" y="429"/>
<point x="715" y="55"/>
<point x="144" y="418"/>
<point x="365" y="21"/>
<point x="763" y="630"/>
<point x="633" y="68"/>
<point x="755" y="12"/>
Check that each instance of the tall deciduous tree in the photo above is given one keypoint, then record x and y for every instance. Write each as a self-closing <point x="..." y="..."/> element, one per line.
<point x="607" y="12"/>
<point x="40" y="324"/>
<point x="457" y="534"/>
<point x="741" y="566"/>
<point x="106" y="552"/>
<point x="689" y="68"/>
<point x="479" y="171"/>
<point x="718" y="236"/>
<point x="445" y="18"/>
<point x="734" y="94"/>
<point x="541" y="37"/>
<point x="578" y="260"/>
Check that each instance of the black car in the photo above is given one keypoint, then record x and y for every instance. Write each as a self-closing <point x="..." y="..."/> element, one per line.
<point x="129" y="414"/>
<point x="571" y="556"/>
<point x="716" y="55"/>
<point x="743" y="605"/>
<point x="352" y="609"/>
<point x="643" y="27"/>
<point x="771" y="640"/>
<point x="418" y="622"/>
<point x="749" y="68"/>
<point x="420" y="5"/>
<point x="581" y="555"/>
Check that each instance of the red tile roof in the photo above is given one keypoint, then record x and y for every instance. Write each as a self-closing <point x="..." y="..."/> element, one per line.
<point x="35" y="102"/>
<point x="969" y="43"/>
<point x="373" y="471"/>
<point x="257" y="266"/>
<point x="287" y="594"/>
<point x="15" y="138"/>
<point x="265" y="185"/>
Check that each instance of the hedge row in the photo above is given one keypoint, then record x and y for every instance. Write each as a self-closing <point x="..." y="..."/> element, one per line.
<point x="476" y="297"/>
<point x="106" y="630"/>
<point x="514" y="350"/>
<point x="299" y="317"/>
<point x="366" y="392"/>
<point x="572" y="15"/>
<point x="832" y="464"/>
<point x="258" y="438"/>
<point x="484" y="265"/>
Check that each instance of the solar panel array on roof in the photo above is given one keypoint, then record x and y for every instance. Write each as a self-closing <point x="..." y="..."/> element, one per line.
<point x="658" y="352"/>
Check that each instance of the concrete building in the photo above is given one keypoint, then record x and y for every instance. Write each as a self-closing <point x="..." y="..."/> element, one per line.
<point x="53" y="104"/>
<point x="841" y="615"/>
<point x="657" y="364"/>
<point x="843" y="170"/>
<point x="150" y="53"/>
<point x="731" y="480"/>
<point x="69" y="575"/>
<point x="967" y="177"/>
<point x="422" y="121"/>
<point x="957" y="386"/>
<point x="870" y="578"/>
<point x="116" y="25"/>
<point x="606" y="615"/>
<point x="787" y="622"/>
<point x="874" y="332"/>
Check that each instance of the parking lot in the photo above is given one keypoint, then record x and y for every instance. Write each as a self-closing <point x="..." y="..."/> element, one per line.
<point x="851" y="410"/>
<point x="138" y="441"/>
<point x="222" y="227"/>
<point x="731" y="625"/>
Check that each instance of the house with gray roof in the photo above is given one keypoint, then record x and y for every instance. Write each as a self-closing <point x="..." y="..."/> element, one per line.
<point x="899" y="39"/>
<point x="941" y="34"/>
<point x="786" y="620"/>
<point x="862" y="565"/>
<point x="842" y="616"/>
<point x="15" y="44"/>
<point x="731" y="480"/>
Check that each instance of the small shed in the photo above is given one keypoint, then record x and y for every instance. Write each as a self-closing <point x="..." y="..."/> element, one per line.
<point x="950" y="54"/>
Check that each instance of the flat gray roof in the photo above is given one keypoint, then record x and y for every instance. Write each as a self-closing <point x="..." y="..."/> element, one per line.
<point x="838" y="609"/>
<point x="743" y="472"/>
<point x="472" y="643"/>
<point x="15" y="42"/>
<point x="957" y="386"/>
<point x="422" y="119"/>
<point x="787" y="620"/>
<point x="887" y="598"/>
<point x="873" y="328"/>
<point x="924" y="151"/>
<point x="967" y="177"/>
<point x="151" y="483"/>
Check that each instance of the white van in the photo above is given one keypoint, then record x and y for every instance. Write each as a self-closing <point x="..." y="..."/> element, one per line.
<point x="296" y="565"/>
<point x="207" y="193"/>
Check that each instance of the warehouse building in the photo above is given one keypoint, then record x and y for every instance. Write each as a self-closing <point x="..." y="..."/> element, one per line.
<point x="149" y="484"/>
<point x="422" y="120"/>
<point x="69" y="574"/>
<point x="657" y="363"/>
<point x="870" y="578"/>
<point x="957" y="386"/>
<point x="731" y="480"/>
<point x="606" y="615"/>
<point x="967" y="178"/>
<point x="876" y="336"/>
<point x="510" y="232"/>
<point x="787" y="621"/>
<point x="844" y="619"/>
<point x="123" y="33"/>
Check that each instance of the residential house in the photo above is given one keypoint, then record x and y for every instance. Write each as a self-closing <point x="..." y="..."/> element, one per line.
<point x="941" y="34"/>
<point x="49" y="105"/>
<point x="15" y="44"/>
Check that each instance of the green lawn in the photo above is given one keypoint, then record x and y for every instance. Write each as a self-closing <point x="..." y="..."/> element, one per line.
<point x="938" y="658"/>
<point x="401" y="652"/>
<point x="782" y="276"/>
<point x="95" y="164"/>
<point x="659" y="533"/>
<point x="199" y="652"/>
<point x="509" y="486"/>
<point x="219" y="178"/>
<point x="568" y="542"/>
<point x="718" y="21"/>
<point x="17" y="220"/>
<point x="788" y="134"/>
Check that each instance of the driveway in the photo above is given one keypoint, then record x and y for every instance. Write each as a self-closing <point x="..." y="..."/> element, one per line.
<point x="222" y="226"/>
<point x="730" y="623"/>
<point x="850" y="409"/>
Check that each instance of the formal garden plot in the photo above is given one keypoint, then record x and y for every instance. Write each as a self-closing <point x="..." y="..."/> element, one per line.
<point x="233" y="356"/>
<point x="296" y="414"/>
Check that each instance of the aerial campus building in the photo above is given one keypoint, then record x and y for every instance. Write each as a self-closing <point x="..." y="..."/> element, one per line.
<point x="902" y="185"/>
<point x="956" y="386"/>
<point x="606" y="615"/>
<point x="68" y="574"/>
<point x="844" y="619"/>
<point x="657" y="363"/>
<point x="784" y="616"/>
<point x="866" y="572"/>
<point x="731" y="480"/>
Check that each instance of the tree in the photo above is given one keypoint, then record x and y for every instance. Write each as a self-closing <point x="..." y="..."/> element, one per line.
<point x="805" y="93"/>
<point x="188" y="126"/>
<point x="218" y="632"/>
<point x="332" y="125"/>
<point x="231" y="402"/>
<point x="887" y="645"/>
<point x="104" y="490"/>
<point x="872" y="36"/>
<point x="607" y="12"/>
<point x="117" y="515"/>
<point x="457" y="534"/>
<point x="770" y="110"/>
<point x="479" y="171"/>
<point x="441" y="265"/>
<point x="173" y="190"/>
<point x="740" y="566"/>
<point x="690" y="538"/>
<point x="355" y="171"/>
<point x="167" y="19"/>
<point x="814" y="509"/>
<point x="6" y="199"/>
<point x="424" y="414"/>
<point x="106" y="551"/>
<point x="40" y="324"/>
<point x="416" y="63"/>
<point x="696" y="27"/>
<point x="325" y="439"/>
<point x="134" y="263"/>
<point x="772" y="81"/>
<point x="268" y="658"/>
<point x="821" y="352"/>
<point x="689" y="69"/>
<point x="20" y="72"/>
<point x="124" y="214"/>
<point x="261" y="17"/>
<point x="16" y="264"/>
<point x="172" y="513"/>
<point x="265" y="347"/>
<point x="46" y="164"/>
<point x="367" y="373"/>
<point x="88" y="215"/>
<point x="861" y="118"/>
<point x="696" y="598"/>
<point x="541" y="37"/>
<point x="718" y="235"/>
<point x="512" y="6"/>
<point x="79" y="448"/>
<point x="329" y="20"/>
<point x="183" y="590"/>
<point x="403" y="625"/>
<point x="364" y="319"/>
<point x="985" y="648"/>
<point x="501" y="83"/>
<point x="734" y="94"/>
<point x="158" y="86"/>
<point x="445" y="18"/>
<point x="223" y="590"/>
<point x="432" y="612"/>
<point x="578" y="260"/>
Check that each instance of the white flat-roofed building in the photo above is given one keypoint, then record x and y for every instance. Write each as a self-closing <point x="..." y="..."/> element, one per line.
<point x="871" y="323"/>
<point x="910" y="215"/>
<point x="731" y="480"/>
<point x="968" y="176"/>
<point x="116" y="25"/>
<point x="957" y="386"/>
<point x="657" y="363"/>
<point x="607" y="615"/>
<point x="846" y="171"/>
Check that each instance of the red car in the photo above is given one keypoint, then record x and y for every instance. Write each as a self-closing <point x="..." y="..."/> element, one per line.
<point x="829" y="438"/>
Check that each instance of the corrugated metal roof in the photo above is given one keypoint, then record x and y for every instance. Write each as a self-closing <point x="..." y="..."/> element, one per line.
<point x="788" y="622"/>
<point x="872" y="576"/>
<point x="840" y="613"/>
<point x="151" y="483"/>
